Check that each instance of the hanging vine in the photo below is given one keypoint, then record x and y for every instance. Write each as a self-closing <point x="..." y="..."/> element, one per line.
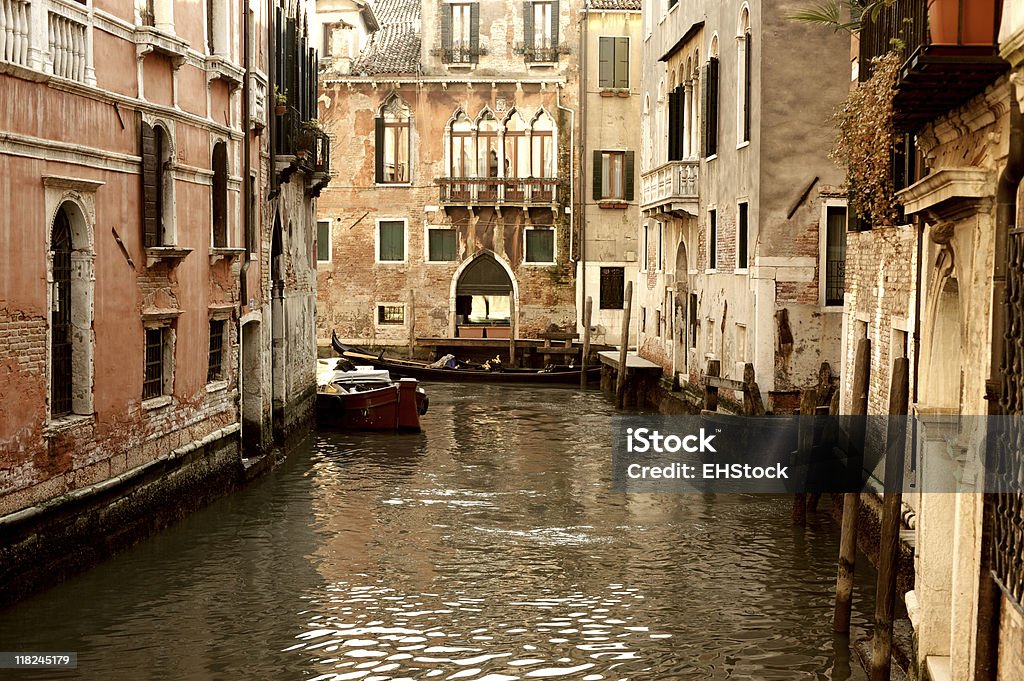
<point x="865" y="141"/>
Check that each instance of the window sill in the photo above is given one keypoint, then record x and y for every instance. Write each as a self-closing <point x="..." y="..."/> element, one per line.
<point x="439" y="262"/>
<point x="228" y="254"/>
<point x="154" y="403"/>
<point x="216" y="386"/>
<point x="393" y="184"/>
<point x="615" y="92"/>
<point x="741" y="270"/>
<point x="711" y="270"/>
<point x="612" y="204"/>
<point x="151" y="39"/>
<point x="322" y="262"/>
<point x="528" y="263"/>
<point x="743" y="145"/>
<point x="219" y="68"/>
<point x="391" y="262"/>
<point x="711" y="158"/>
<point x="68" y="423"/>
<point x="832" y="307"/>
<point x="172" y="255"/>
<point x="541" y="64"/>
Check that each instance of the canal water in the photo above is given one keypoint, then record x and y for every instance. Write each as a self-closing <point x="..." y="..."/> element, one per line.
<point x="489" y="548"/>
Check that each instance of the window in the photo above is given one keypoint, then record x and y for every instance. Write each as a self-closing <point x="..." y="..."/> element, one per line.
<point x="661" y="242"/>
<point x="742" y="236"/>
<point x="61" y="373"/>
<point x="710" y="113"/>
<point x="487" y="146"/>
<point x="540" y="245"/>
<point x="613" y="175"/>
<point x="460" y="32"/>
<point x="391" y="314"/>
<point x="157" y="186"/>
<point x="461" y="151"/>
<point x="694" y="324"/>
<point x="543" y="163"/>
<point x="392" y="142"/>
<point x="153" y="381"/>
<point x="442" y="245"/>
<point x="391" y="241"/>
<point x="835" y="254"/>
<point x="712" y="239"/>
<point x="219" y="189"/>
<point x="677" y="124"/>
<point x="540" y="31"/>
<point x="613" y="62"/>
<point x="147" y="14"/>
<point x="613" y="284"/>
<point x="643" y="319"/>
<point x="643" y="248"/>
<point x="517" y="151"/>
<point x="215" y="364"/>
<point x="323" y="241"/>
<point x="338" y="40"/>
<point x="743" y="75"/>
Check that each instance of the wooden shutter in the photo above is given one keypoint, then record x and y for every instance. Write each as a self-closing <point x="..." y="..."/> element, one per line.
<point x="474" y="32"/>
<point x="704" y="110"/>
<point x="528" y="30"/>
<point x="606" y="57"/>
<point x="150" y="191"/>
<point x="674" y="111"/>
<point x="598" y="180"/>
<point x="712" y="120"/>
<point x="746" y="85"/>
<point x="378" y="149"/>
<point x="446" y="31"/>
<point x="629" y="170"/>
<point x="554" y="30"/>
<point x="622" y="62"/>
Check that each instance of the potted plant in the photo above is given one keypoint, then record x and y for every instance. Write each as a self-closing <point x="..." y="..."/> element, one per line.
<point x="280" y="101"/>
<point x="306" y="138"/>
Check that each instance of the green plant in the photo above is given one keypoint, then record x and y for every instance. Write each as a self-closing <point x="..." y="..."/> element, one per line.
<point x="833" y="13"/>
<point x="280" y="97"/>
<point x="865" y="142"/>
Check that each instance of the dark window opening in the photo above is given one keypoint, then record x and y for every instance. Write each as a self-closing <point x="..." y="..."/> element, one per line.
<point x="390" y="314"/>
<point x="712" y="240"/>
<point x="153" y="381"/>
<point x="835" y="255"/>
<point x="710" y="108"/>
<point x="215" y="366"/>
<point x="60" y="318"/>
<point x="220" y="195"/>
<point x="613" y="284"/>
<point x="742" y="236"/>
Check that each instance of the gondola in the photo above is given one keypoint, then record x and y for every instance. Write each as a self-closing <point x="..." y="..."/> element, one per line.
<point x="423" y="371"/>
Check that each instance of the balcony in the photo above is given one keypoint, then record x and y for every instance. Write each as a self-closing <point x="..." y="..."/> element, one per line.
<point x="951" y="49"/>
<point x="498" y="191"/>
<point x="671" y="189"/>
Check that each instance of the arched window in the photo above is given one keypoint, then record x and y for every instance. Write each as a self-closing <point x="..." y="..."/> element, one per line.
<point x="220" y="195"/>
<point x="646" y="162"/>
<point x="710" y="98"/>
<point x="460" y="153"/>
<point x="517" y="151"/>
<point x="61" y="375"/>
<point x="393" y="126"/>
<point x="488" y="163"/>
<point x="743" y="69"/>
<point x="157" y="186"/>
<point x="543" y="161"/>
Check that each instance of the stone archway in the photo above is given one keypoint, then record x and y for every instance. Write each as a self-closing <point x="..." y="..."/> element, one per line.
<point x="681" y="309"/>
<point x="484" y="297"/>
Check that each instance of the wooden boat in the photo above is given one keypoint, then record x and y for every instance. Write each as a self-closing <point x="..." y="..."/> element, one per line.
<point x="423" y="371"/>
<point x="367" y="399"/>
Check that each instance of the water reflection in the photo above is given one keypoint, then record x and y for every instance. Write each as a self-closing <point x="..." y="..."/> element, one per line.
<point x="488" y="548"/>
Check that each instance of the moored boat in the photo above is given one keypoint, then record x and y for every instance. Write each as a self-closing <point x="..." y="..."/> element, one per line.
<point x="468" y="374"/>
<point x="365" y="398"/>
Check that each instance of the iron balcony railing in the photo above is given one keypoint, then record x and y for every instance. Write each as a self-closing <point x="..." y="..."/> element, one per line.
<point x="672" y="182"/>
<point x="498" y="190"/>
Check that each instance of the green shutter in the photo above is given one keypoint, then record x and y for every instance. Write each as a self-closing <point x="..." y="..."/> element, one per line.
<point x="622" y="62"/>
<point x="704" y="110"/>
<point x="606" y="57"/>
<point x="446" y="31"/>
<point x="598" y="180"/>
<point x="629" y="170"/>
<point x="392" y="241"/>
<point x="540" y="245"/>
<point x="323" y="240"/>
<point x="528" y="29"/>
<point x="554" y="30"/>
<point x="442" y="245"/>
<point x="378" y="149"/>
<point x="474" y="32"/>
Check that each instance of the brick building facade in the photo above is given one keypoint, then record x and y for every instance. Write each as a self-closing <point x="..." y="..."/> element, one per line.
<point x="135" y="159"/>
<point x="450" y="211"/>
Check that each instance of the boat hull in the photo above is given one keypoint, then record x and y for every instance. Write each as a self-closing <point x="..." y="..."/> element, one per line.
<point x="397" y="406"/>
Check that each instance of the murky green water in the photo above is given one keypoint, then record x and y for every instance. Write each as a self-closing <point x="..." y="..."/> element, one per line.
<point x="488" y="548"/>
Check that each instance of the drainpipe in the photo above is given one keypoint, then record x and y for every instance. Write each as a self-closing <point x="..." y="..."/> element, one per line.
<point x="580" y="209"/>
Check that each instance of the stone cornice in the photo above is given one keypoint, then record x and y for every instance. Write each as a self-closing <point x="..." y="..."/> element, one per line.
<point x="946" y="192"/>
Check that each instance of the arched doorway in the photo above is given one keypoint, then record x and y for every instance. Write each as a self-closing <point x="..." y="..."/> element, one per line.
<point x="681" y="312"/>
<point x="484" y="299"/>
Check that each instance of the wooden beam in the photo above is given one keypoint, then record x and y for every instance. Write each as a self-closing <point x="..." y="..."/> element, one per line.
<point x="587" y="311"/>
<point x="620" y="386"/>
<point x="727" y="383"/>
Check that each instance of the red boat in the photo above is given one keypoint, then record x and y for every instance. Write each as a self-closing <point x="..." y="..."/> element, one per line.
<point x="367" y="399"/>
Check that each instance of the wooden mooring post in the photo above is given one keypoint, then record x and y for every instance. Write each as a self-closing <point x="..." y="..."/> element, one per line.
<point x="892" y="500"/>
<point x="620" y="385"/>
<point x="851" y="500"/>
<point x="710" y="388"/>
<point x="588" y="308"/>
<point x="512" y="331"/>
<point x="804" y="449"/>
